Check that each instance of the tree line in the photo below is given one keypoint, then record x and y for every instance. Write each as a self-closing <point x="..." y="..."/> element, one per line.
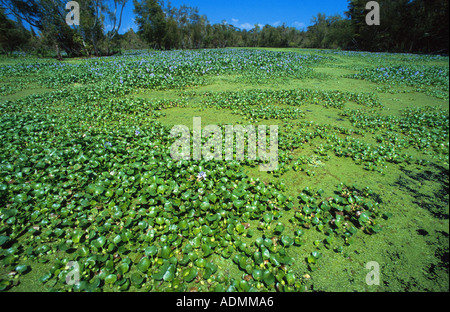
<point x="414" y="26"/>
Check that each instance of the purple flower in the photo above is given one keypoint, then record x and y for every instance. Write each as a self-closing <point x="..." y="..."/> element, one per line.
<point x="108" y="144"/>
<point x="137" y="132"/>
<point x="201" y="175"/>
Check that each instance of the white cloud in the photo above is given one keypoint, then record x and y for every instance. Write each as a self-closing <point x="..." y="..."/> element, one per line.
<point x="277" y="23"/>
<point x="298" y="24"/>
<point x="247" y="26"/>
<point x="134" y="27"/>
<point x="234" y="20"/>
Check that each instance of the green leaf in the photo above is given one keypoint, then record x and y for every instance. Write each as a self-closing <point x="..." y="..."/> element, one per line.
<point x="205" y="206"/>
<point x="273" y="259"/>
<point x="316" y="254"/>
<point x="200" y="262"/>
<point x="240" y="228"/>
<point x="165" y="252"/>
<point x="150" y="251"/>
<point x="238" y="203"/>
<point x="257" y="257"/>
<point x="211" y="268"/>
<point x="21" y="268"/>
<point x="311" y="259"/>
<point x="279" y="228"/>
<point x="268" y="277"/>
<point x="206" y="230"/>
<point x="77" y="236"/>
<point x="257" y="274"/>
<point x="117" y="239"/>
<point x="207" y="250"/>
<point x="290" y="278"/>
<point x="286" y="240"/>
<point x="162" y="271"/>
<point x="212" y="197"/>
<point x="143" y="265"/>
<point x="170" y="273"/>
<point x="244" y="286"/>
<point x="189" y="274"/>
<point x="123" y="268"/>
<point x="268" y="217"/>
<point x="44" y="278"/>
<point x="110" y="279"/>
<point x="98" y="190"/>
<point x="4" y="239"/>
<point x="377" y="228"/>
<point x="364" y="217"/>
<point x="83" y="251"/>
<point x="99" y="242"/>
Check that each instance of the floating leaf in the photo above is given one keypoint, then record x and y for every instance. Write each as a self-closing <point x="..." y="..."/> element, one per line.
<point x="143" y="265"/>
<point x="110" y="279"/>
<point x="162" y="271"/>
<point x="268" y="278"/>
<point x="21" y="268"/>
<point x="211" y="268"/>
<point x="123" y="268"/>
<point x="286" y="240"/>
<point x="150" y="251"/>
<point x="212" y="198"/>
<point x="189" y="274"/>
<point x="137" y="279"/>
<point x="4" y="239"/>
<point x="364" y="217"/>
<point x="170" y="273"/>
<point x="44" y="278"/>
<point x="290" y="278"/>
<point x="238" y="203"/>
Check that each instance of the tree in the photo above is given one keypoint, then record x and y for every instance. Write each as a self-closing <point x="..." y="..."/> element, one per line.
<point x="92" y="23"/>
<point x="151" y="21"/>
<point x="48" y="16"/>
<point x="317" y="32"/>
<point x="339" y="34"/>
<point x="115" y="14"/>
<point x="12" y="34"/>
<point x="405" y="26"/>
<point x="131" y="41"/>
<point x="430" y="26"/>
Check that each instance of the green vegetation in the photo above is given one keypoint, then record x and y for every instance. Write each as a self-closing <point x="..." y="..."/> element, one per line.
<point x="86" y="174"/>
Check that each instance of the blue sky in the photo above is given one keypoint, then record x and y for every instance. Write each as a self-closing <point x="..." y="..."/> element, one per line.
<point x="246" y="13"/>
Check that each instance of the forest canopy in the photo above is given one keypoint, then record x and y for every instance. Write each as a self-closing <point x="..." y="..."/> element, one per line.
<point x="39" y="27"/>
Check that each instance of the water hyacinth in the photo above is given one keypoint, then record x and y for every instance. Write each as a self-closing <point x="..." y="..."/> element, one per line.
<point x="409" y="75"/>
<point x="134" y="219"/>
<point x="201" y="175"/>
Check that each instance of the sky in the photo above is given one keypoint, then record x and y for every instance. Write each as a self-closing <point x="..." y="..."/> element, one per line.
<point x="246" y="13"/>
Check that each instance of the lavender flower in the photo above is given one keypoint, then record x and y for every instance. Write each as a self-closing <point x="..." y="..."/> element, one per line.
<point x="201" y="175"/>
